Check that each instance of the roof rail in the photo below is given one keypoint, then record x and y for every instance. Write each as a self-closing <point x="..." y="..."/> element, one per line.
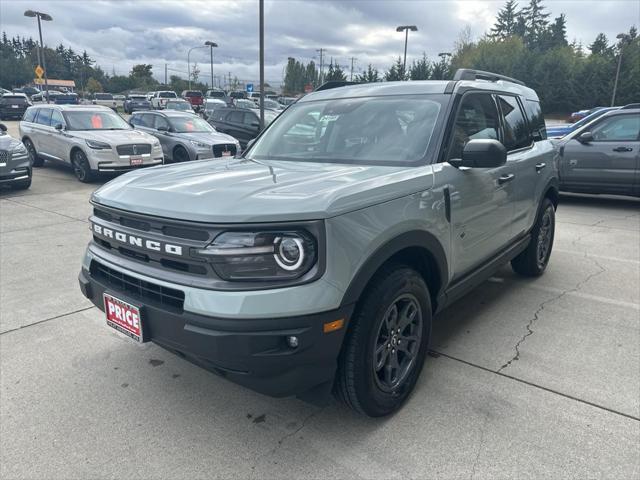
<point x="470" y="74"/>
<point x="334" y="84"/>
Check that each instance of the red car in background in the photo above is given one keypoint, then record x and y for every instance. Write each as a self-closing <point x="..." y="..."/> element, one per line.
<point x="195" y="98"/>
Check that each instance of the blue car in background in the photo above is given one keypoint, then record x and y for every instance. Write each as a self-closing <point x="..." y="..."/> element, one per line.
<point x="559" y="131"/>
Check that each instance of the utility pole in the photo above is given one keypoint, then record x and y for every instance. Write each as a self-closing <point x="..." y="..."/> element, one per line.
<point x="623" y="38"/>
<point x="321" y="50"/>
<point x="351" y="76"/>
<point x="406" y="29"/>
<point x="261" y="64"/>
<point x="165" y="74"/>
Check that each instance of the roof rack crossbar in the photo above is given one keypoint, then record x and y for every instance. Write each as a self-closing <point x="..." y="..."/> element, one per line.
<point x="470" y="74"/>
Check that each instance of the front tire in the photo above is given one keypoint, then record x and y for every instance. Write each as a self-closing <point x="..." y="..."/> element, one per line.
<point x="386" y="344"/>
<point x="180" y="155"/>
<point x="533" y="261"/>
<point x="81" y="167"/>
<point x="35" y="159"/>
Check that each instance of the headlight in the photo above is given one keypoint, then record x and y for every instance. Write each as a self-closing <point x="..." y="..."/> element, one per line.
<point x="199" y="144"/>
<point x="277" y="255"/>
<point x="20" y="148"/>
<point x="156" y="144"/>
<point x="98" y="145"/>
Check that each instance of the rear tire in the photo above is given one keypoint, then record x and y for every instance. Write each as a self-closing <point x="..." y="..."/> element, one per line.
<point x="36" y="161"/>
<point x="533" y="261"/>
<point x="386" y="344"/>
<point x="81" y="167"/>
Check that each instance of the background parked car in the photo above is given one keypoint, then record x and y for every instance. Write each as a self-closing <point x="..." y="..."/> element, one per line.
<point x="13" y="106"/>
<point x="580" y="114"/>
<point x="241" y="123"/>
<point x="136" y="102"/>
<point x="119" y="100"/>
<point x="179" y="105"/>
<point x="194" y="97"/>
<point x="286" y="101"/>
<point x="42" y="96"/>
<point x="560" y="130"/>
<point x="15" y="162"/>
<point x="67" y="99"/>
<point x="92" y="139"/>
<point x="602" y="156"/>
<point x="244" y="103"/>
<point x="184" y="136"/>
<point x="105" y="100"/>
<point x="238" y="94"/>
<point x="217" y="93"/>
<point x="210" y="104"/>
<point x="160" y="98"/>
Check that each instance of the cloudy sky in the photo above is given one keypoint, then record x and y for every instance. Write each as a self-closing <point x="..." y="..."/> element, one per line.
<point x="119" y="34"/>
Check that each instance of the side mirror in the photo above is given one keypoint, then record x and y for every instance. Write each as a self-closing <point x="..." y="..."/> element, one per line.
<point x="59" y="127"/>
<point x="585" y="137"/>
<point x="481" y="153"/>
<point x="3" y="127"/>
<point x="163" y="128"/>
<point x="249" y="144"/>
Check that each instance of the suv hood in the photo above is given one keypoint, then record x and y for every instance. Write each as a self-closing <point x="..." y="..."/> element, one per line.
<point x="113" y="137"/>
<point x="210" y="138"/>
<point x="8" y="143"/>
<point x="240" y="191"/>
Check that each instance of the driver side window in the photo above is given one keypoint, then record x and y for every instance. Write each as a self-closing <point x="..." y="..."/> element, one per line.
<point x="161" y="122"/>
<point x="477" y="118"/>
<point x="623" y="128"/>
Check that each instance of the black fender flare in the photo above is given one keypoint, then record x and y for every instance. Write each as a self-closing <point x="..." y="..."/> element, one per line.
<point x="410" y="239"/>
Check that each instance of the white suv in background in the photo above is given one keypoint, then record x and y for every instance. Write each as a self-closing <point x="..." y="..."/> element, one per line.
<point x="159" y="99"/>
<point x="91" y="139"/>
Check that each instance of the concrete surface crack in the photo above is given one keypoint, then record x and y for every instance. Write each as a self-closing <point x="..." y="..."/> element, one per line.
<point x="542" y="306"/>
<point x="297" y="430"/>
<point x="21" y="327"/>
<point x="480" y="447"/>
<point x="44" y="209"/>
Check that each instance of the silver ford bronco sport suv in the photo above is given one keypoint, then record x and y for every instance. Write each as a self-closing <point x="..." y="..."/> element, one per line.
<point x="316" y="261"/>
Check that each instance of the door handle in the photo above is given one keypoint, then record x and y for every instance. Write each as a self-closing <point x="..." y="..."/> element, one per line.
<point x="540" y="166"/>
<point x="506" y="178"/>
<point x="623" y="149"/>
<point x="573" y="162"/>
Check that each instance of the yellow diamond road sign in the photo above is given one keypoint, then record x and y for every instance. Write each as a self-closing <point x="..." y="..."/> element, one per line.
<point x="39" y="71"/>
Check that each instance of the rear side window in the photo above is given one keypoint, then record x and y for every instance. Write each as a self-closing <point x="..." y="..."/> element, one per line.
<point x="250" y="118"/>
<point x="44" y="117"/>
<point x="30" y="115"/>
<point x="516" y="130"/>
<point x="477" y="118"/>
<point x="536" y="120"/>
<point x="235" y="117"/>
<point x="145" y="120"/>
<point x="218" y="114"/>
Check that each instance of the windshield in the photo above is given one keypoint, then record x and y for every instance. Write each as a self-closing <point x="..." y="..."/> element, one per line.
<point x="393" y="130"/>
<point x="216" y="94"/>
<point x="13" y="99"/>
<point x="96" y="120"/>
<point x="242" y="103"/>
<point x="137" y="97"/>
<point x="590" y="117"/>
<point x="189" y="124"/>
<point x="193" y="94"/>
<point x="167" y="95"/>
<point x="104" y="96"/>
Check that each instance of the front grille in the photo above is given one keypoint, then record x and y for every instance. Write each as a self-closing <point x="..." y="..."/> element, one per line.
<point x="137" y="149"/>
<point x="5" y="156"/>
<point x="224" y="147"/>
<point x="148" y="292"/>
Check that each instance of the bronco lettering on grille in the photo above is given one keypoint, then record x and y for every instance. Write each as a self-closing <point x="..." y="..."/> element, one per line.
<point x="137" y="241"/>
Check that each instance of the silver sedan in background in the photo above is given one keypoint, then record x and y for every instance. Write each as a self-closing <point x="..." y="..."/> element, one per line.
<point x="184" y="136"/>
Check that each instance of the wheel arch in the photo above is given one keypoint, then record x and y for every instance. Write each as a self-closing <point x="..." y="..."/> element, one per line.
<point x="182" y="146"/>
<point x="418" y="249"/>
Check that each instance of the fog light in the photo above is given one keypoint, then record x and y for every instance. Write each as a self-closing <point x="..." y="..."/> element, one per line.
<point x="292" y="341"/>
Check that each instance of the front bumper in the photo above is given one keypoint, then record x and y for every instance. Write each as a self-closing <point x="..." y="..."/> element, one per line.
<point x="250" y="352"/>
<point x="15" y="175"/>
<point x="111" y="161"/>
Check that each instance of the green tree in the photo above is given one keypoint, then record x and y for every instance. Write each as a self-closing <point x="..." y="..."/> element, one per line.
<point x="420" y="70"/>
<point x="396" y="72"/>
<point x="93" y="86"/>
<point x="600" y="45"/>
<point x="506" y="21"/>
<point x="369" y="76"/>
<point x="558" y="31"/>
<point x="335" y="73"/>
<point x="536" y="23"/>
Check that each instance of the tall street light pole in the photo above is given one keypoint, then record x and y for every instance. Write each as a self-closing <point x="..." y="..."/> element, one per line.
<point x="189" y="62"/>
<point x="623" y="38"/>
<point x="406" y="29"/>
<point x="261" y="64"/>
<point x="211" y="45"/>
<point x="47" y="18"/>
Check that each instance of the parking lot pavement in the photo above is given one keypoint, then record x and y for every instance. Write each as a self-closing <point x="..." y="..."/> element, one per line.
<point x="527" y="378"/>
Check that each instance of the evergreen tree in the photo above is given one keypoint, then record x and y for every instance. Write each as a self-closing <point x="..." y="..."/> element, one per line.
<point x="396" y="72"/>
<point x="335" y="73"/>
<point x="535" y="21"/>
<point x="506" y="21"/>
<point x="600" y="45"/>
<point x="558" y="31"/>
<point x="369" y="76"/>
<point x="420" y="70"/>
